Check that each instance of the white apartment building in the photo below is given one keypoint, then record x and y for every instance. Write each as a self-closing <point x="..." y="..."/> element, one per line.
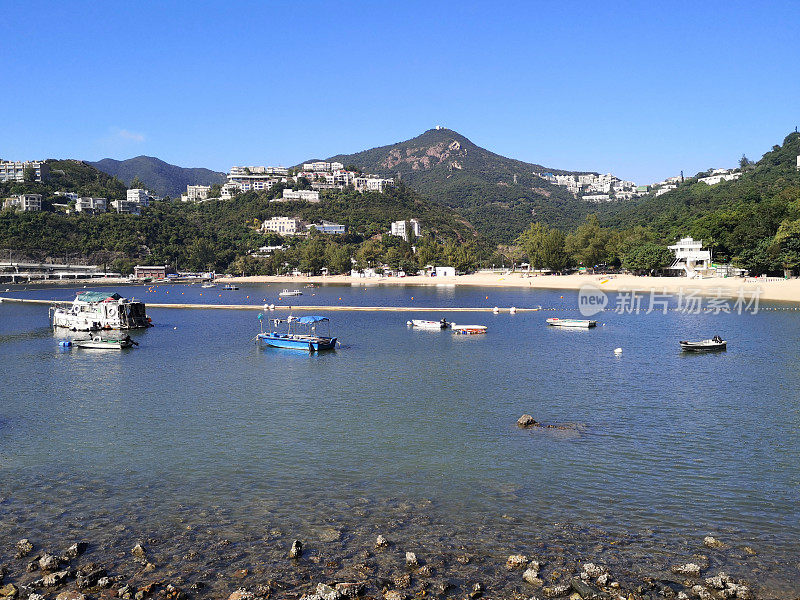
<point x="196" y="193"/>
<point x="24" y="202"/>
<point x="15" y="170"/>
<point x="138" y="196"/>
<point x="403" y="228"/>
<point x="229" y="190"/>
<point x="715" y="179"/>
<point x="328" y="227"/>
<point x="798" y="162"/>
<point x="301" y="195"/>
<point x="372" y="184"/>
<point x="127" y="207"/>
<point x="597" y="198"/>
<point x="91" y="206"/>
<point x="339" y="178"/>
<point x="68" y="196"/>
<point x="323" y="166"/>
<point x="665" y="188"/>
<point x="284" y="225"/>
<point x="258" y="171"/>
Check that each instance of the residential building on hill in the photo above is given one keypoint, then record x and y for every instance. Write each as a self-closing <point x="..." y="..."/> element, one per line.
<point x="596" y="198"/>
<point x="196" y="193"/>
<point x="15" y="170"/>
<point x="323" y="166"/>
<point x="328" y="227"/>
<point x="372" y="184"/>
<point x="404" y="228"/>
<point x="91" y="206"/>
<point x="229" y="190"/>
<point x="302" y="195"/>
<point x="24" y="202"/>
<point x="284" y="225"/>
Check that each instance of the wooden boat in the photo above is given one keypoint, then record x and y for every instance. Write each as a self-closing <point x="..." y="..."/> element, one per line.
<point x="423" y="324"/>
<point x="288" y="292"/>
<point x="468" y="329"/>
<point x="715" y="344"/>
<point x="574" y="323"/>
<point x="301" y="334"/>
<point x="98" y="343"/>
<point x="230" y="287"/>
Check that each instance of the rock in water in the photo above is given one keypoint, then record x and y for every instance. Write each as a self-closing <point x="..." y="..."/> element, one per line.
<point x="531" y="575"/>
<point x="76" y="549"/>
<point x="54" y="579"/>
<point x="689" y="569"/>
<point x="516" y="561"/>
<point x="9" y="591"/>
<point x="139" y="552"/>
<point x="411" y="560"/>
<point x="24" y="547"/>
<point x="242" y="594"/>
<point x="556" y="591"/>
<point x="296" y="550"/>
<point x="70" y="595"/>
<point x="350" y="590"/>
<point x="526" y="422"/>
<point x="585" y="590"/>
<point x="326" y="592"/>
<point x="381" y="542"/>
<point x="712" y="542"/>
<point x="48" y="562"/>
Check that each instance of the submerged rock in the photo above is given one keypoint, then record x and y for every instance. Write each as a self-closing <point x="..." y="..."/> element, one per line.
<point x="9" y="591"/>
<point x="24" y="547"/>
<point x="712" y="542"/>
<point x="531" y="575"/>
<point x="326" y="592"/>
<point x="584" y="590"/>
<point x="688" y="569"/>
<point x="411" y="560"/>
<point x="296" y="550"/>
<point x="76" y="549"/>
<point x="556" y="591"/>
<point x="242" y="594"/>
<point x="350" y="590"/>
<point x="138" y="551"/>
<point x="516" y="561"/>
<point x="381" y="542"/>
<point x="70" y="595"/>
<point x="49" y="562"/>
<point x="594" y="571"/>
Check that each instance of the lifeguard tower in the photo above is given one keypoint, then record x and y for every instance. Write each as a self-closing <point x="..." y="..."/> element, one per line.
<point x="691" y="258"/>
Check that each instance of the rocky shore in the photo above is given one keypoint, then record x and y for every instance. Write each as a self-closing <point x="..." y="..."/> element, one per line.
<point x="388" y="569"/>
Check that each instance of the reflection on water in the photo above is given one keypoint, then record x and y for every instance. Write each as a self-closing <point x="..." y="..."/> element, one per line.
<point x="411" y="433"/>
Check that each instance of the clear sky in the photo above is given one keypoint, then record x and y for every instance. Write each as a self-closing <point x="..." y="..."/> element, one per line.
<point x="641" y="89"/>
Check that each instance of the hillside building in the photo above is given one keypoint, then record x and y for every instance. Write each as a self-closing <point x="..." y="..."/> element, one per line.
<point x="328" y="227"/>
<point x="299" y="195"/>
<point x="24" y="202"/>
<point x="284" y="225"/>
<point x="372" y="184"/>
<point x="91" y="206"/>
<point x="691" y="258"/>
<point x="196" y="193"/>
<point x="403" y="229"/>
<point x="15" y="170"/>
<point x="323" y="166"/>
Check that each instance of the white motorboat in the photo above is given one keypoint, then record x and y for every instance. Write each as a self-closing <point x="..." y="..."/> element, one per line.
<point x="288" y="292"/>
<point x="423" y="324"/>
<point x="468" y="329"/>
<point x="715" y="344"/>
<point x="209" y="285"/>
<point x="98" y="343"/>
<point x="573" y="323"/>
<point x="91" y="311"/>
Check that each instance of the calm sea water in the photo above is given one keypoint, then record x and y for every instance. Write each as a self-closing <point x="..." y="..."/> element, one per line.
<point x="411" y="432"/>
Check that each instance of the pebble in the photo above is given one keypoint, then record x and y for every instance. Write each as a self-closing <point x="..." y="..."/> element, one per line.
<point x="54" y="579"/>
<point x="70" y="595"/>
<point x="594" y="571"/>
<point x="76" y="549"/>
<point x="296" y="550"/>
<point x="326" y="592"/>
<point x="49" y="562"/>
<point x="556" y="591"/>
<point x="139" y="552"/>
<point x="712" y="542"/>
<point x="381" y="542"/>
<point x="531" y="575"/>
<point x="242" y="594"/>
<point x="393" y="595"/>
<point x="24" y="547"/>
<point x="350" y="590"/>
<point x="411" y="560"/>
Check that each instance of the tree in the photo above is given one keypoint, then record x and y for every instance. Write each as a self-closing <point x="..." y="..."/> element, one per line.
<point x="588" y="244"/>
<point x="29" y="175"/>
<point x="646" y="257"/>
<point x="761" y="259"/>
<point x="744" y="162"/>
<point x="544" y="247"/>
<point x="788" y="240"/>
<point x="137" y="184"/>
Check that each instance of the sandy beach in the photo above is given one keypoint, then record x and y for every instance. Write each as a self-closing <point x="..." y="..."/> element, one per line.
<point x="772" y="289"/>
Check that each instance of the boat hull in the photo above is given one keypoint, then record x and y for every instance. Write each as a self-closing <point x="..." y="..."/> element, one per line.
<point x="433" y="325"/>
<point x="703" y="346"/>
<point x="104" y="345"/>
<point x="572" y="323"/>
<point x="305" y="343"/>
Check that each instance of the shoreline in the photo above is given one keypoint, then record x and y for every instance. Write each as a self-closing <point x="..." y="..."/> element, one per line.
<point x="769" y="289"/>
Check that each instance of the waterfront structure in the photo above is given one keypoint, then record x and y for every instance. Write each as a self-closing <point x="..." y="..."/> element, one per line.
<point x="24" y="202"/>
<point x="11" y="170"/>
<point x="404" y="228"/>
<point x="328" y="227"/>
<point x="196" y="193"/>
<point x="301" y="195"/>
<point x="150" y="272"/>
<point x="91" y="206"/>
<point x="372" y="184"/>
<point x="691" y="258"/>
<point x="284" y="225"/>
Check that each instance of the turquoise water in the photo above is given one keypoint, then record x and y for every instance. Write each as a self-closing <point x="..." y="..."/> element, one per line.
<point x="411" y="432"/>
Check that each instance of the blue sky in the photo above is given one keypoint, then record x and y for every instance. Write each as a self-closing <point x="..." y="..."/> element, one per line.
<point x="640" y="89"/>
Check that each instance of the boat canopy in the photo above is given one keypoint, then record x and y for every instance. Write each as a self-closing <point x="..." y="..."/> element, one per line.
<point x="97" y="296"/>
<point x="311" y="319"/>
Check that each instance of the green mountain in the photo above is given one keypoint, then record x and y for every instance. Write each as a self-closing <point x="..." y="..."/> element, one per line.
<point x="500" y="196"/>
<point x="160" y="177"/>
<point x="731" y="217"/>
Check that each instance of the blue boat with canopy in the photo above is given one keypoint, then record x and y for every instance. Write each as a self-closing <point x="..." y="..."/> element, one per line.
<point x="301" y="333"/>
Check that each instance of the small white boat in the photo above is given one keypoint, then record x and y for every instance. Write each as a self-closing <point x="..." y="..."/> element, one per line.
<point x="468" y="329"/>
<point x="574" y="323"/>
<point x="209" y="285"/>
<point x="288" y="292"/>
<point x="423" y="324"/>
<point x="98" y="343"/>
<point x="715" y="344"/>
<point x="230" y="287"/>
